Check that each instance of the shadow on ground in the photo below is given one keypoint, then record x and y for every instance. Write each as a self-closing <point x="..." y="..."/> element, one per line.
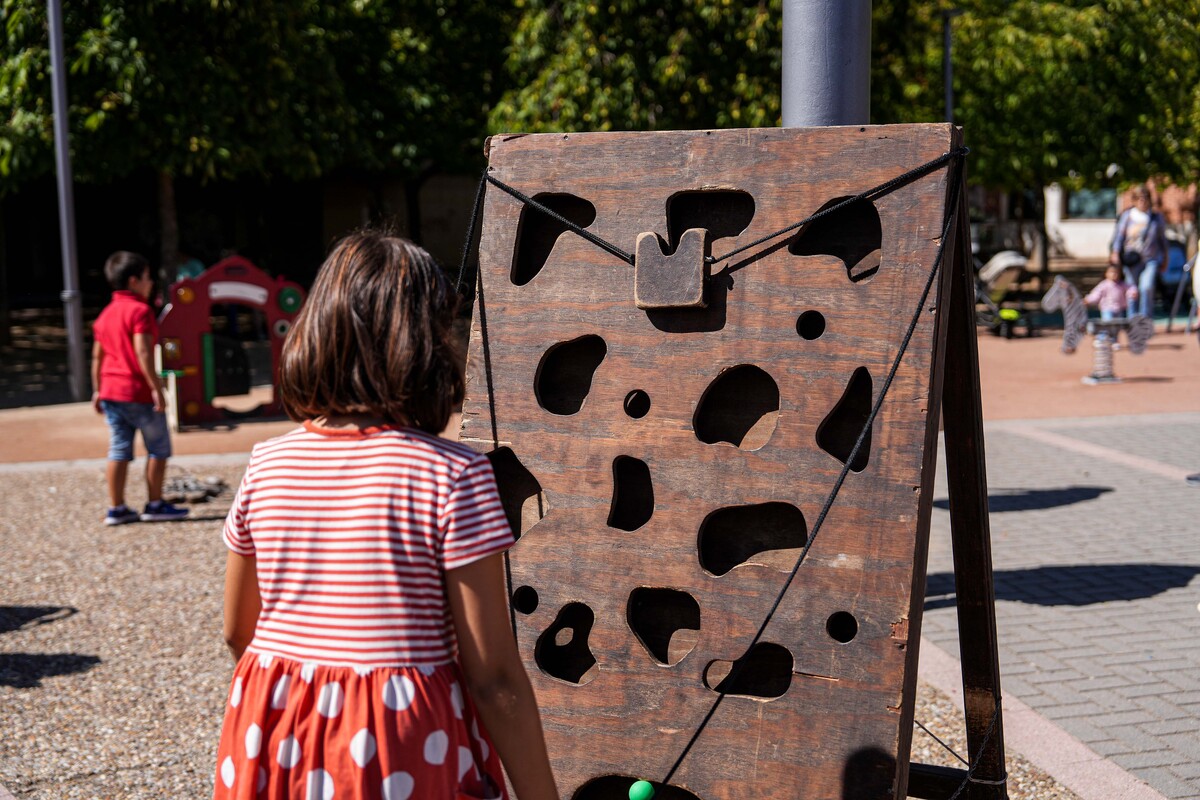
<point x="1000" y="500"/>
<point x="26" y="670"/>
<point x="1070" y="585"/>
<point x="13" y="618"/>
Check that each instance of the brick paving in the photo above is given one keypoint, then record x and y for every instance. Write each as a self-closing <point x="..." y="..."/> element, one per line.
<point x="1096" y="562"/>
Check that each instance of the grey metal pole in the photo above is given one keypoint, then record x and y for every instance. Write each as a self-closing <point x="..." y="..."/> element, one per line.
<point x="826" y="62"/>
<point x="72" y="301"/>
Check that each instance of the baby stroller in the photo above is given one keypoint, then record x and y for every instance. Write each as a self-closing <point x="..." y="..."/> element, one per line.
<point x="993" y="281"/>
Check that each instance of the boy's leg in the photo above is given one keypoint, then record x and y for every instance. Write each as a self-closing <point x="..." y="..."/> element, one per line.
<point x="116" y="472"/>
<point x="120" y="453"/>
<point x="157" y="437"/>
<point x="156" y="473"/>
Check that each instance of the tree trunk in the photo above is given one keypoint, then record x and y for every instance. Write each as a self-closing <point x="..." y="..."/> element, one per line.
<point x="168" y="225"/>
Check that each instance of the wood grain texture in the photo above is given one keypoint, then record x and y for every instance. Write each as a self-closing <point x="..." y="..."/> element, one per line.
<point x="840" y="730"/>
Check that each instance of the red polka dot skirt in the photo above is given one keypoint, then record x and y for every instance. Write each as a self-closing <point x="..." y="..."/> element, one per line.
<point x="314" y="732"/>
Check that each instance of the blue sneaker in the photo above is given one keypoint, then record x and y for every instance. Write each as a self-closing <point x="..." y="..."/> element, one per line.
<point x="159" y="511"/>
<point x="120" y="515"/>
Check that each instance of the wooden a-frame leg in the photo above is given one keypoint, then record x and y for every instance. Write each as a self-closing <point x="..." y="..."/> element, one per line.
<point x="962" y="421"/>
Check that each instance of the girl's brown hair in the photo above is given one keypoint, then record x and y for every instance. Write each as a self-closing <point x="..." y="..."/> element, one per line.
<point x="374" y="338"/>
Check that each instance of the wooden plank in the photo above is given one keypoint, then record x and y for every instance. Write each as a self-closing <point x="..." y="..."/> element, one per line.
<point x="672" y="460"/>
<point x="971" y="535"/>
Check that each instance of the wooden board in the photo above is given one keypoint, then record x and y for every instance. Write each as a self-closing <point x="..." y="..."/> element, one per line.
<point x="682" y="454"/>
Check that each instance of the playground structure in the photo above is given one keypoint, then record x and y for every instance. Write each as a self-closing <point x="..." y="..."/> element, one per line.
<point x="1063" y="296"/>
<point x="664" y="434"/>
<point x="202" y="365"/>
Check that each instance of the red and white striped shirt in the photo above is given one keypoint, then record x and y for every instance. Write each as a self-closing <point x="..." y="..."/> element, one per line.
<point x="352" y="532"/>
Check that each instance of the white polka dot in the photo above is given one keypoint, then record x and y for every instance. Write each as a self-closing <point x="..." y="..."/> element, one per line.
<point x="262" y="779"/>
<point x="397" y="786"/>
<point x="436" y="745"/>
<point x="466" y="761"/>
<point x="425" y="669"/>
<point x="227" y="774"/>
<point x="362" y="747"/>
<point x="235" y="697"/>
<point x="289" y="753"/>
<point x="398" y="692"/>
<point x="253" y="741"/>
<point x="363" y="672"/>
<point x="265" y="660"/>
<point x="456" y="699"/>
<point x="329" y="704"/>
<point x="320" y="786"/>
<point x="307" y="670"/>
<point x="280" y="692"/>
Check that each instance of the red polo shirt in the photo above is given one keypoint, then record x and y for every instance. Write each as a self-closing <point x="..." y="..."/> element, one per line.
<point x="121" y="378"/>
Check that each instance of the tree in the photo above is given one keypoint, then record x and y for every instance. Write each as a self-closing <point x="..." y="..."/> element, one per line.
<point x="1045" y="90"/>
<point x="634" y="64"/>
<point x="229" y="88"/>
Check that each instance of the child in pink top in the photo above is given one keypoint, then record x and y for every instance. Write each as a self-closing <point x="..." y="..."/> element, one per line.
<point x="364" y="587"/>
<point x="1112" y="295"/>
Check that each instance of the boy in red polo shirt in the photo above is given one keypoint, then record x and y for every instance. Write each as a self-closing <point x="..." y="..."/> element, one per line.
<point x="129" y="392"/>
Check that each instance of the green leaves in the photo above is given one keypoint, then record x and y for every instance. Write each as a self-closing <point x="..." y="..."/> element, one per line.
<point x="219" y="89"/>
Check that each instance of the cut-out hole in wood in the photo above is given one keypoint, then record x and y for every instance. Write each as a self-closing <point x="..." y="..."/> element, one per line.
<point x="767" y="534"/>
<point x="537" y="233"/>
<point x="841" y="626"/>
<point x="564" y="376"/>
<point x="666" y="622"/>
<point x="637" y="404"/>
<point x="740" y="407"/>
<point x="839" y="431"/>
<point x="520" y="493"/>
<point x="854" y="234"/>
<point x="764" y="673"/>
<point x="722" y="212"/>
<point x="562" y="650"/>
<point x="525" y="599"/>
<point x="810" y="325"/>
<point x="616" y="787"/>
<point x="633" y="494"/>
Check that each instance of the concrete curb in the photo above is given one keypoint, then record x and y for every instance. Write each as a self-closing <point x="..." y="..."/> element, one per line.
<point x="190" y="460"/>
<point x="1046" y="745"/>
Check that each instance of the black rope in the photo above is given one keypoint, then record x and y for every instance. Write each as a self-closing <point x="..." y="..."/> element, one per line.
<point x="471" y="226"/>
<point x="885" y="188"/>
<point x="947" y="747"/>
<point x="979" y="759"/>
<point x="603" y="244"/>
<point x="739" y="665"/>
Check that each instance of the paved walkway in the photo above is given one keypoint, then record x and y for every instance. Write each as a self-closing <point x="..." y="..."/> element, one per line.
<point x="1096" y="553"/>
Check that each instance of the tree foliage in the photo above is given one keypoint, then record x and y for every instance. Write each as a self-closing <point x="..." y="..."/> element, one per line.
<point x="223" y="88"/>
<point x="635" y="64"/>
<point x="1045" y="89"/>
<point x="1051" y="90"/>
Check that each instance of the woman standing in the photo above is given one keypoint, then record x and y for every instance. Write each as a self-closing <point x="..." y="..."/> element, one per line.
<point x="1140" y="247"/>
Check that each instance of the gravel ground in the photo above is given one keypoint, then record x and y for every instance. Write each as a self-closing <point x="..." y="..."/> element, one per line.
<point x="112" y="670"/>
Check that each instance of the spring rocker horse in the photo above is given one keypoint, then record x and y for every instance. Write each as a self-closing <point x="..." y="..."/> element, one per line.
<point x="1065" y="297"/>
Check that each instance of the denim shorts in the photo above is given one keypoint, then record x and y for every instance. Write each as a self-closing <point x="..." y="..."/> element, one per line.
<point x="125" y="418"/>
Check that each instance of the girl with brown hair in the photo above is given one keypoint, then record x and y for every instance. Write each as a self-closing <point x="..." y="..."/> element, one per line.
<point x="365" y="600"/>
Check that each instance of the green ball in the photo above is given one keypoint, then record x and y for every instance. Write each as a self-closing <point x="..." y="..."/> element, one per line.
<point x="641" y="790"/>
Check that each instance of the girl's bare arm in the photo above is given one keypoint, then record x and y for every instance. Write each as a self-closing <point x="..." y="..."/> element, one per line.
<point x="496" y="677"/>
<point x="242" y="602"/>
